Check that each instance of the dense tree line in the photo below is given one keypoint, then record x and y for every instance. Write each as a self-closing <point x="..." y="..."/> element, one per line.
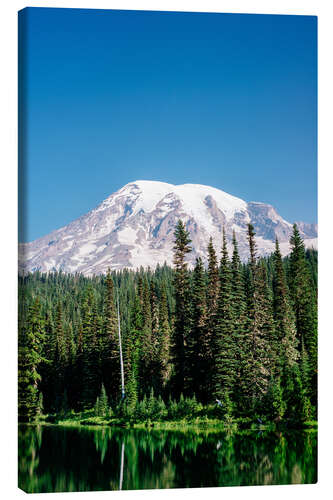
<point x="242" y="335"/>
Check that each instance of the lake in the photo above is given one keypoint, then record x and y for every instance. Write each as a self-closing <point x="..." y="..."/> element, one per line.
<point x="59" y="459"/>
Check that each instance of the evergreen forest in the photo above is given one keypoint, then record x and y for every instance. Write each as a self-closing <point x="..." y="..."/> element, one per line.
<point x="225" y="338"/>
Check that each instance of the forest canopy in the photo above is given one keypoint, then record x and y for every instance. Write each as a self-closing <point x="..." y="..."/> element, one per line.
<point x="242" y="336"/>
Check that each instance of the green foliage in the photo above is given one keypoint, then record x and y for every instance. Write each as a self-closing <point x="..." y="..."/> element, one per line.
<point x="182" y="308"/>
<point x="244" y="334"/>
<point x="198" y="343"/>
<point x="304" y="299"/>
<point x="275" y="403"/>
<point x="40" y="406"/>
<point x="31" y="339"/>
<point x="224" y="341"/>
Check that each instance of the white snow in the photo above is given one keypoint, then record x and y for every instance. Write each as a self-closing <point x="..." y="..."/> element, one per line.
<point x="92" y="242"/>
<point x="127" y="236"/>
<point x="192" y="197"/>
<point x="85" y="250"/>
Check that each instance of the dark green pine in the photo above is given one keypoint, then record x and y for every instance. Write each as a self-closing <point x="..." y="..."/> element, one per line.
<point x="198" y="345"/>
<point x="163" y="350"/>
<point x="240" y="323"/>
<point x="147" y="354"/>
<point x="90" y="368"/>
<point x="304" y="302"/>
<point x="224" y="342"/>
<point x="285" y="342"/>
<point x="30" y="357"/>
<point x="109" y="344"/>
<point x="261" y="359"/>
<point x="182" y="322"/>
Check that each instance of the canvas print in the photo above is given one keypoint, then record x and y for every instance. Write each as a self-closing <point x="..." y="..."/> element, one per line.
<point x="167" y="329"/>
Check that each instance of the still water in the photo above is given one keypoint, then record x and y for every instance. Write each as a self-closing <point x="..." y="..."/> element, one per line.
<point x="56" y="459"/>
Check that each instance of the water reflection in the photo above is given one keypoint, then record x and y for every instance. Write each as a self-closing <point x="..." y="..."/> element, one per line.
<point x="86" y="459"/>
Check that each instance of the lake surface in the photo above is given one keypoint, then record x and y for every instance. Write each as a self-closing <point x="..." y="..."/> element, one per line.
<point x="58" y="459"/>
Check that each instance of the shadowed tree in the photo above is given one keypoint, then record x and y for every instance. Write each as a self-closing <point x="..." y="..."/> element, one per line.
<point x="304" y="302"/>
<point x="224" y="346"/>
<point x="31" y="340"/>
<point x="182" y="310"/>
<point x="198" y="345"/>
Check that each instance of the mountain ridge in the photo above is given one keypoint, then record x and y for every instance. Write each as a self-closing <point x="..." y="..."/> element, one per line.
<point x="134" y="227"/>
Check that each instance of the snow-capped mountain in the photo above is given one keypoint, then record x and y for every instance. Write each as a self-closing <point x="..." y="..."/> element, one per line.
<point x="134" y="227"/>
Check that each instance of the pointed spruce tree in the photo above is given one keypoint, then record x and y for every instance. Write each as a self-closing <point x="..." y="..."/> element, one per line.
<point x="163" y="350"/>
<point x="304" y="302"/>
<point x="240" y="323"/>
<point x="182" y="307"/>
<point x="109" y="344"/>
<point x="198" y="346"/>
<point x="260" y="360"/>
<point x="224" y="345"/>
<point x="30" y="346"/>
<point x="285" y="342"/>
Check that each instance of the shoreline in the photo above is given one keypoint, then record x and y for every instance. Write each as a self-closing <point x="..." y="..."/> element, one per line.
<point x="178" y="425"/>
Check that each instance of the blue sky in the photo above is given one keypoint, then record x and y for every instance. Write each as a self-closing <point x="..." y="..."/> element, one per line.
<point x="108" y="97"/>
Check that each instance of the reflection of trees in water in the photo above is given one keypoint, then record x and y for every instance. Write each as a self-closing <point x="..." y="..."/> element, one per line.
<point x="28" y="445"/>
<point x="59" y="459"/>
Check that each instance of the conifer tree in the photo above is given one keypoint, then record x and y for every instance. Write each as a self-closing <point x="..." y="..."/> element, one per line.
<point x="59" y="360"/>
<point x="260" y="359"/>
<point x="285" y="342"/>
<point x="305" y="371"/>
<point x="240" y="322"/>
<point x="224" y="346"/>
<point x="198" y="346"/>
<point x="47" y="367"/>
<point x="132" y="349"/>
<point x="182" y="309"/>
<point x="76" y="386"/>
<point x="40" y="405"/>
<point x="148" y="344"/>
<point x="90" y="375"/>
<point x="212" y="305"/>
<point x="103" y="402"/>
<point x="154" y="309"/>
<point x="109" y="344"/>
<point x="304" y="304"/>
<point x="164" y="333"/>
<point x="238" y="289"/>
<point x="30" y="357"/>
<point x="213" y="285"/>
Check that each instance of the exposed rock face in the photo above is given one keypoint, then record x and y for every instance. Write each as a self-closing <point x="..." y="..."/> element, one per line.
<point x="134" y="227"/>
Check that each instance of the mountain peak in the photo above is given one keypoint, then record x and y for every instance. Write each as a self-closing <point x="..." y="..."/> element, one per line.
<point x="135" y="227"/>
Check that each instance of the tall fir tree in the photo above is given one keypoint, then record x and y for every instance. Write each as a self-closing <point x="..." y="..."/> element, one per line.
<point x="132" y="349"/>
<point x="148" y="347"/>
<point x="304" y="302"/>
<point x="59" y="361"/>
<point x="224" y="345"/>
<point x="164" y="334"/>
<point x="285" y="342"/>
<point x="90" y="374"/>
<point x="198" y="345"/>
<point x="260" y="360"/>
<point x="182" y="307"/>
<point x="213" y="286"/>
<point x="31" y="340"/>
<point x="240" y="323"/>
<point x="109" y="344"/>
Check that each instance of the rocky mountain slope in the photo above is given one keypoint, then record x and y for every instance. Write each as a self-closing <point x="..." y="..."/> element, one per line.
<point x="134" y="227"/>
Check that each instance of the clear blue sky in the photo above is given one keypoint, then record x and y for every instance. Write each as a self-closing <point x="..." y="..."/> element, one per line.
<point x="109" y="97"/>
